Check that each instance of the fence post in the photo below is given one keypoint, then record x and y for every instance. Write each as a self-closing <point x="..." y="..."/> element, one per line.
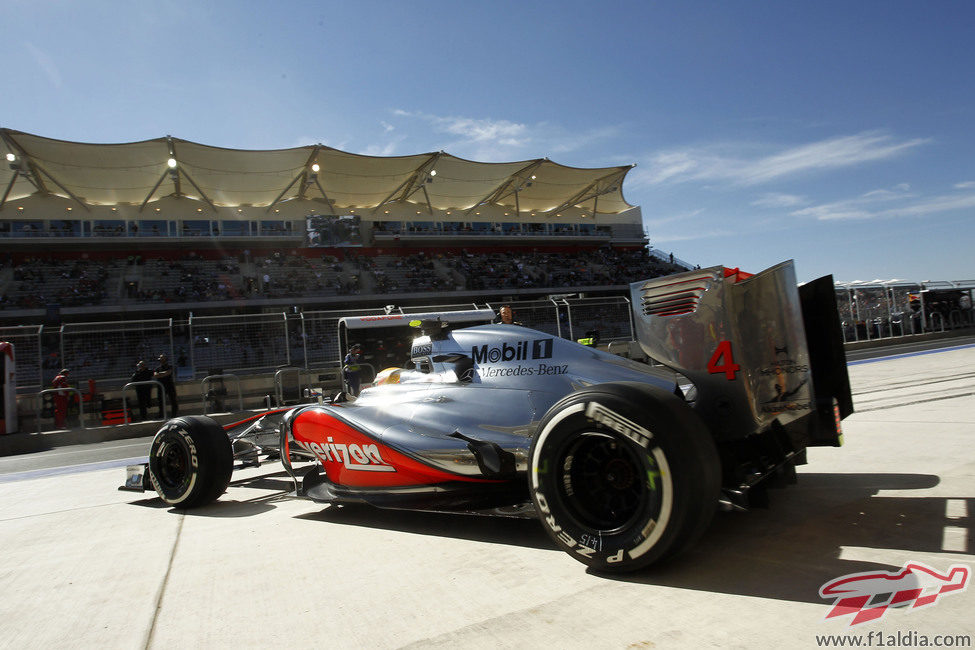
<point x="287" y="343"/>
<point x="240" y="396"/>
<point x="854" y="314"/>
<point x="304" y="340"/>
<point x="955" y="319"/>
<point x="924" y="317"/>
<point x="568" y="317"/>
<point x="192" y="344"/>
<point x="162" y="397"/>
<point x="890" y="315"/>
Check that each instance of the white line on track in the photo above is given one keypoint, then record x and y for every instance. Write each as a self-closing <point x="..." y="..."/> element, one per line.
<point x="72" y="469"/>
<point x="68" y="451"/>
<point x="911" y="354"/>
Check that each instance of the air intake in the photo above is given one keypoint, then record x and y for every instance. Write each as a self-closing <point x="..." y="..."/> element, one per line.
<point x="674" y="298"/>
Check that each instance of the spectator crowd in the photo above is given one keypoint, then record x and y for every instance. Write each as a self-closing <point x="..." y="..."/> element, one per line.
<point x="36" y="281"/>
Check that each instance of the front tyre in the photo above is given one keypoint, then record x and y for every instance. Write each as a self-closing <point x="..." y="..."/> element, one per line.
<point x="190" y="461"/>
<point x="622" y="475"/>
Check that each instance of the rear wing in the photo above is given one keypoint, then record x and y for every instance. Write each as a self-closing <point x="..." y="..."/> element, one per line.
<point x="742" y="340"/>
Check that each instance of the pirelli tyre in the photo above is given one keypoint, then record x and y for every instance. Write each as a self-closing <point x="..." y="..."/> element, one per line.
<point x="190" y="461"/>
<point x="622" y="475"/>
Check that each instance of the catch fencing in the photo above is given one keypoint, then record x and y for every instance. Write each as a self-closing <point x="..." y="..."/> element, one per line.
<point x="264" y="343"/>
<point x="319" y="342"/>
<point x="608" y="319"/>
<point x="109" y="351"/>
<point x="870" y="311"/>
<point x="250" y="343"/>
<point x="543" y="315"/>
<point x="29" y="363"/>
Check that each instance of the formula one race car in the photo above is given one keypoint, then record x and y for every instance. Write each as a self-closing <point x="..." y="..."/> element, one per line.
<point x="624" y="463"/>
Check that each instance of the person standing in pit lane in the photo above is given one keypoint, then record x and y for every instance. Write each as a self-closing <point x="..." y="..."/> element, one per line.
<point x="506" y="316"/>
<point x="60" y="399"/>
<point x="143" y="393"/>
<point x="164" y="375"/>
<point x="352" y="370"/>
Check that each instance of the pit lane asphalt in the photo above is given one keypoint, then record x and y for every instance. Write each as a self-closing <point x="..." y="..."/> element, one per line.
<point x="83" y="564"/>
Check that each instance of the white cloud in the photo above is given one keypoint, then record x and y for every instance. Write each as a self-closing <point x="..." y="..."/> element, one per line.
<point x="309" y="140"/>
<point x="501" y="139"/>
<point x="727" y="163"/>
<point x="478" y="138"/>
<point x="835" y="153"/>
<point x="386" y="149"/>
<point x="46" y="64"/>
<point x="474" y="129"/>
<point x="656" y="222"/>
<point x="691" y="236"/>
<point x="500" y="131"/>
<point x="667" y="166"/>
<point x="967" y="185"/>
<point x="778" y="200"/>
<point x="933" y="205"/>
<point x="877" y="205"/>
<point x="562" y="143"/>
<point x="835" y="211"/>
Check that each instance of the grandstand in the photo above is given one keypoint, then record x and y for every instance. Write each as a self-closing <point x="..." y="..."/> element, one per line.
<point x="165" y="226"/>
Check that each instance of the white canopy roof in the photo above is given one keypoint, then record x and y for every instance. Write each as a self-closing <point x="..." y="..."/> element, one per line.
<point x="141" y="172"/>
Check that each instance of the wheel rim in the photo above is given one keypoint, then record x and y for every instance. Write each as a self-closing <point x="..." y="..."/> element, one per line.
<point x="174" y="461"/>
<point x="603" y="482"/>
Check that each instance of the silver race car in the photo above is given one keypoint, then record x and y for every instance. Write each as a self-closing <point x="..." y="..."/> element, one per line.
<point x="624" y="463"/>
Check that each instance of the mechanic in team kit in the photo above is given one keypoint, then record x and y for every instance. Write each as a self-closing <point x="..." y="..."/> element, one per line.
<point x="164" y="375"/>
<point x="351" y="368"/>
<point x="60" y="399"/>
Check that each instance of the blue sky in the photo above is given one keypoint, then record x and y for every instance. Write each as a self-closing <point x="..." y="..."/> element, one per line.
<point x="839" y="134"/>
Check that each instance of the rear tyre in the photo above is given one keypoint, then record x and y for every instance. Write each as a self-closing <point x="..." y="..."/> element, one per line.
<point x="190" y="461"/>
<point x="622" y="475"/>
